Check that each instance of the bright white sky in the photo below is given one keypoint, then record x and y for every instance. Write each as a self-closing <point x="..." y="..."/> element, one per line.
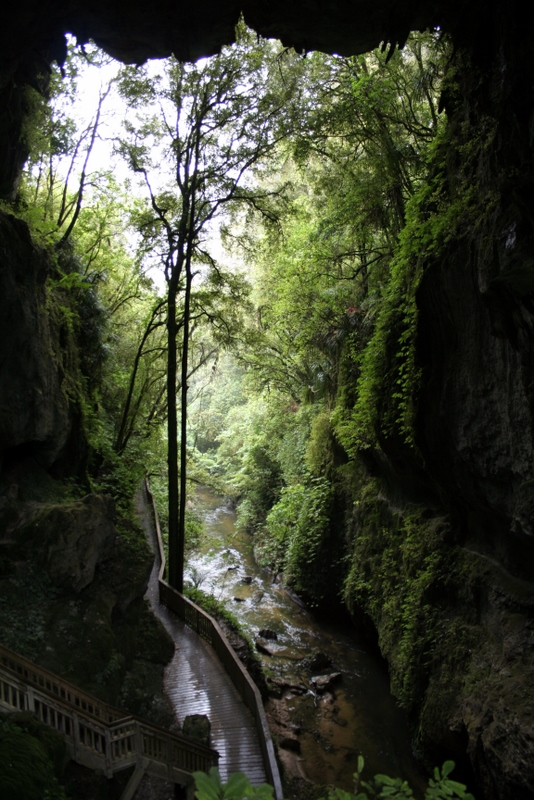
<point x="91" y="82"/>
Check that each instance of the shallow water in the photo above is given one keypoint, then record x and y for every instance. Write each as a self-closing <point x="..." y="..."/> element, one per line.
<point x="361" y="716"/>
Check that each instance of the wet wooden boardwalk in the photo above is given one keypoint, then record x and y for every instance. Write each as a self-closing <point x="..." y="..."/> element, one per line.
<point x="196" y="683"/>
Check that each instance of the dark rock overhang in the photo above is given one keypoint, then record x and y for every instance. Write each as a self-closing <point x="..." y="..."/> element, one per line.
<point x="32" y="35"/>
<point x="134" y="30"/>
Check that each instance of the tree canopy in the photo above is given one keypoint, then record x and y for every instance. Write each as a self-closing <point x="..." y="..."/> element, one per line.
<point x="252" y="280"/>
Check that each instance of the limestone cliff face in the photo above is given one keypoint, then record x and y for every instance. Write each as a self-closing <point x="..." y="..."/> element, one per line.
<point x="35" y="411"/>
<point x="73" y="539"/>
<point x="476" y="417"/>
<point x="476" y="306"/>
<point x="73" y="572"/>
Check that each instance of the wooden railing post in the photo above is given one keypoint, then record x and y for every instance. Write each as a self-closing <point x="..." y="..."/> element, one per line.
<point x="139" y="745"/>
<point x="75" y="736"/>
<point x="108" y="754"/>
<point x="30" y="700"/>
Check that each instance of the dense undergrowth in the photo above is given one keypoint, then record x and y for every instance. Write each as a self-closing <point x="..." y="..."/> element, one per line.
<point x="311" y="451"/>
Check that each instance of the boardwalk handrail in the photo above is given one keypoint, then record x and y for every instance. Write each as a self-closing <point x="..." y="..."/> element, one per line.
<point x="97" y="735"/>
<point x="207" y="627"/>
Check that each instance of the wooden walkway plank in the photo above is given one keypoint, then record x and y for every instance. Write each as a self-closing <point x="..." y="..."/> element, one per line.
<point x="196" y="683"/>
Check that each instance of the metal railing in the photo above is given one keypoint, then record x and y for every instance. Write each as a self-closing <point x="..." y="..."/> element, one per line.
<point x="207" y="627"/>
<point x="97" y="735"/>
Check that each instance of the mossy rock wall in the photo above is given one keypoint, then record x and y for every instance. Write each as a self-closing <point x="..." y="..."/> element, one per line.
<point x="442" y="539"/>
<point x="40" y="412"/>
<point x="72" y="583"/>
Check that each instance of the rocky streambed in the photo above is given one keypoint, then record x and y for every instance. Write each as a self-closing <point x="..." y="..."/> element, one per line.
<point x="329" y="698"/>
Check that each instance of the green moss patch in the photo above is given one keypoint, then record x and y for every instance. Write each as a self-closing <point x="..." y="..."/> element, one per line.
<point x="32" y="759"/>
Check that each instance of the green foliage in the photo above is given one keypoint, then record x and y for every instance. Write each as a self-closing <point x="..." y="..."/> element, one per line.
<point x="319" y="456"/>
<point x="400" y="574"/>
<point x="440" y="787"/>
<point x="194" y="529"/>
<point x="32" y="758"/>
<point x="199" y="118"/>
<point x="238" y="787"/>
<point x="210" y="787"/>
<point x="299" y="540"/>
<point x="194" y="526"/>
<point x="247" y="456"/>
<point x="303" y="292"/>
<point x="435" y="218"/>
<point x="262" y="451"/>
<point x="215" y="608"/>
<point x="60" y="146"/>
<point x="334" y="290"/>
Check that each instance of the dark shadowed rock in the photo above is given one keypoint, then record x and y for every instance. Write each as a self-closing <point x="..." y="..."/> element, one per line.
<point x="36" y="409"/>
<point x="198" y="727"/>
<point x="267" y="633"/>
<point x="279" y="686"/>
<point x="323" y="683"/>
<point x="73" y="538"/>
<point x="288" y="743"/>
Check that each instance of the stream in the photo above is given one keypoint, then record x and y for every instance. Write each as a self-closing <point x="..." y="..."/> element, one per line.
<point x="324" y="732"/>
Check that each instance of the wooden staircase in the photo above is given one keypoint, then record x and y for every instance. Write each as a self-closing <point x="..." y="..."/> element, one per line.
<point x="102" y="738"/>
<point x="97" y="735"/>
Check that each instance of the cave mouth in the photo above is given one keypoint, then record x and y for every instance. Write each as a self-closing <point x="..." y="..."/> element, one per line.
<point x="32" y="38"/>
<point x="499" y="89"/>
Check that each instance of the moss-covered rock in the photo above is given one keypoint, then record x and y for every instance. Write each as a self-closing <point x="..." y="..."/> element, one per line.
<point x="71" y="539"/>
<point x="456" y="629"/>
<point x="72" y="592"/>
<point x="32" y="759"/>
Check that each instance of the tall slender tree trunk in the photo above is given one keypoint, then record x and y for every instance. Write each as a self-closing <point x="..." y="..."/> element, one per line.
<point x="183" y="427"/>
<point x="175" y="571"/>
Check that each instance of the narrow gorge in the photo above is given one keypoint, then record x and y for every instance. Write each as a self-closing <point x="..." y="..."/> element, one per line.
<point x="430" y="541"/>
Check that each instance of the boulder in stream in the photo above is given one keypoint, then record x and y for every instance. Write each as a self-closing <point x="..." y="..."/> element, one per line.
<point x="323" y="683"/>
<point x="279" y="687"/>
<point x="262" y="646"/>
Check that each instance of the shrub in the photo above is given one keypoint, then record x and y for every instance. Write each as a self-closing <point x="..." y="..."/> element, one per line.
<point x="30" y="755"/>
<point x="238" y="787"/>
